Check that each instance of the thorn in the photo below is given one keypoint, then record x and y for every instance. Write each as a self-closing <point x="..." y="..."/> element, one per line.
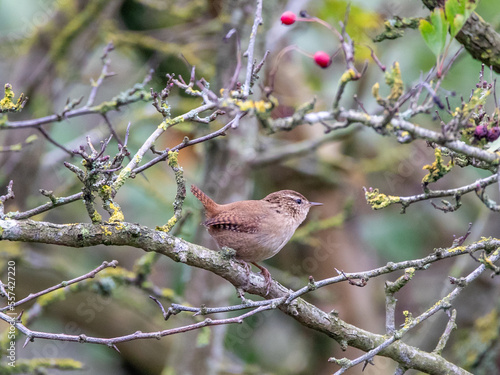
<point x="28" y="339"/>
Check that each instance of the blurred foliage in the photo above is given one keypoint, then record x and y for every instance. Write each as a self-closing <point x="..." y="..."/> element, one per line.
<point x="478" y="347"/>
<point x="361" y="22"/>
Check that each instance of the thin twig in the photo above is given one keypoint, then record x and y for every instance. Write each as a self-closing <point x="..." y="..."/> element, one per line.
<point x="54" y="142"/>
<point x="111" y="342"/>
<point x="189" y="142"/>
<point x="64" y="284"/>
<point x="5" y="197"/>
<point x="249" y="53"/>
<point x="447" y="333"/>
<point x="44" y="207"/>
<point x="104" y="74"/>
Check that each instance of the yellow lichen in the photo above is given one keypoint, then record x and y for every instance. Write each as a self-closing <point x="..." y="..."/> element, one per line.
<point x="477" y="99"/>
<point x="410" y="272"/>
<point x="456" y="249"/>
<point x="245" y="105"/>
<point x="395" y="82"/>
<point x="437" y="169"/>
<point x="347" y="76"/>
<point x="106" y="190"/>
<point x="168" y="227"/>
<point x="167" y="123"/>
<point x="262" y="108"/>
<point x="173" y="159"/>
<point x="378" y="200"/>
<point x="120" y="226"/>
<point x="408" y="318"/>
<point x="6" y="104"/>
<point x="106" y="231"/>
<point x="376" y="95"/>
<point x="167" y="293"/>
<point x="117" y="215"/>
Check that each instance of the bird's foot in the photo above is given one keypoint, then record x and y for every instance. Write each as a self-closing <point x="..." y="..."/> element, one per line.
<point x="267" y="277"/>
<point x="248" y="269"/>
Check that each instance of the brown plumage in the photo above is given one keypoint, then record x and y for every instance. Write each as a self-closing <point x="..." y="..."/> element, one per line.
<point x="255" y="229"/>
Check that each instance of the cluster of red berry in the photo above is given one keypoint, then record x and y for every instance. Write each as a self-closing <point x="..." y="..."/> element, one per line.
<point x="321" y="58"/>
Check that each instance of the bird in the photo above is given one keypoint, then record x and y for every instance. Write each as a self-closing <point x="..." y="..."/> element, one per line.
<point x="255" y="229"/>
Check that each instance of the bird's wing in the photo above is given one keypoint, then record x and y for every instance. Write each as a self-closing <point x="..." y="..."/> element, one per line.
<point x="232" y="222"/>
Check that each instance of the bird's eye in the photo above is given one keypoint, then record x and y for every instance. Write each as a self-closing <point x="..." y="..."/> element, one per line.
<point x="298" y="201"/>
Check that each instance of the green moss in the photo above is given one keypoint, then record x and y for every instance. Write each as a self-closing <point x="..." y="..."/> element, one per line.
<point x="38" y="365"/>
<point x="79" y="21"/>
<point x="105" y="191"/>
<point x="122" y="177"/>
<point x="105" y="107"/>
<point x="55" y="296"/>
<point x="144" y="265"/>
<point x="96" y="217"/>
<point x="488" y="326"/>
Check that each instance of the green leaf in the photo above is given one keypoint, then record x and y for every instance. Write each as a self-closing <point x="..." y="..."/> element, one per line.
<point x="457" y="12"/>
<point x="495" y="145"/>
<point x="434" y="32"/>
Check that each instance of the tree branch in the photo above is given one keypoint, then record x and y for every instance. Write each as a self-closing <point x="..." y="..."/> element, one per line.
<point x="478" y="37"/>
<point x="111" y="342"/>
<point x="127" y="234"/>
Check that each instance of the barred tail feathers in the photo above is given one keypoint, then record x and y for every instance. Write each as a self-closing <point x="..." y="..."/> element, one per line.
<point x="206" y="201"/>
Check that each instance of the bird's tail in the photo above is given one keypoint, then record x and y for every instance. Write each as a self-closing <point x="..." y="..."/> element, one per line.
<point x="205" y="200"/>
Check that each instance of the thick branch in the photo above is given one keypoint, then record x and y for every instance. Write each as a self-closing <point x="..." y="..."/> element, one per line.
<point x="84" y="235"/>
<point x="478" y="37"/>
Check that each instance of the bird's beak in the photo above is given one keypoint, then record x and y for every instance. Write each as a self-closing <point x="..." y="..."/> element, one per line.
<point x="315" y="204"/>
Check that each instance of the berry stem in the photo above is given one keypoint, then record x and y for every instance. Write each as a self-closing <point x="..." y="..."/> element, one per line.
<point x="323" y="23"/>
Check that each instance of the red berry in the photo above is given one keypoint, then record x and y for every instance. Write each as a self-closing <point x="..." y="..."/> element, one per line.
<point x="288" y="18"/>
<point x="322" y="59"/>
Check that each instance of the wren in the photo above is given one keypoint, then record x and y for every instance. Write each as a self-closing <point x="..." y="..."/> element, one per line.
<point x="255" y="229"/>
